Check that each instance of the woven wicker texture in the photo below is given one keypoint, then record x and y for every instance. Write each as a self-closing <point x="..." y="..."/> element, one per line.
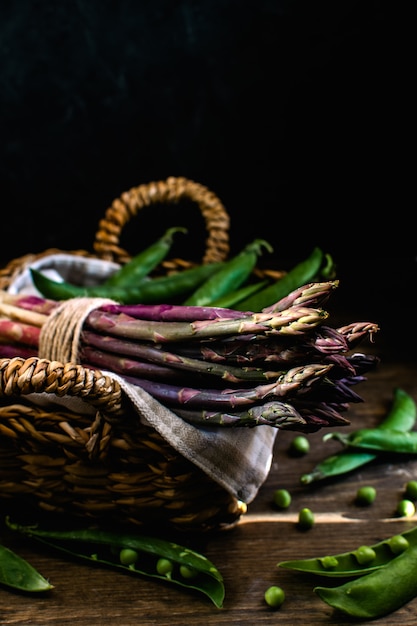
<point x="105" y="465"/>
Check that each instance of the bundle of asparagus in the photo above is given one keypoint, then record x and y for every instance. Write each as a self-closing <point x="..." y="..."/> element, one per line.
<point x="283" y="367"/>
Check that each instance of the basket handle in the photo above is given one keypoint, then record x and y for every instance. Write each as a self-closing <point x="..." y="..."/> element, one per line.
<point x="169" y="191"/>
<point x="20" y="377"/>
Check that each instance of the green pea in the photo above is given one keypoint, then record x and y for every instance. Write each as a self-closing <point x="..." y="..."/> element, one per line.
<point x="274" y="596"/>
<point x="299" y="446"/>
<point x="411" y="490"/>
<point x="164" y="567"/>
<point x="128" y="556"/>
<point x="397" y="544"/>
<point x="282" y="498"/>
<point x="188" y="572"/>
<point x="306" y="519"/>
<point x="365" y="495"/>
<point x="365" y="555"/>
<point x="329" y="562"/>
<point x="406" y="508"/>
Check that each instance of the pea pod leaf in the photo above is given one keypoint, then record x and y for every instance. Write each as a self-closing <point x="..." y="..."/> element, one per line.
<point x="17" y="573"/>
<point x="103" y="547"/>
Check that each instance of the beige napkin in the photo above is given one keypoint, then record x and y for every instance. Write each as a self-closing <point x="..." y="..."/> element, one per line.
<point x="238" y="458"/>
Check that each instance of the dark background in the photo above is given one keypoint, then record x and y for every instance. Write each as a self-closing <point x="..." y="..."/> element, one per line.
<point x="297" y="114"/>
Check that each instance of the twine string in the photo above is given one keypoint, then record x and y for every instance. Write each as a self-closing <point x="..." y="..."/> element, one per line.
<point x="60" y="335"/>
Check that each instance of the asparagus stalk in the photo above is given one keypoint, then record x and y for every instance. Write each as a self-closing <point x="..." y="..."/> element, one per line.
<point x="321" y="413"/>
<point x="329" y="340"/>
<point x="149" y="353"/>
<point x="38" y="304"/>
<point x="8" y="351"/>
<point x="351" y="365"/>
<point x="362" y="363"/>
<point x="293" y="321"/>
<point x="21" y="315"/>
<point x="306" y="296"/>
<point x="125" y="366"/>
<point x="309" y="295"/>
<point x="313" y="294"/>
<point x="306" y="418"/>
<point x="356" y="331"/>
<point x="276" y="414"/>
<point x="296" y="380"/>
<point x="19" y="332"/>
<point x="249" y="349"/>
<point x="339" y="390"/>
<point x="319" y="344"/>
<point x="171" y="312"/>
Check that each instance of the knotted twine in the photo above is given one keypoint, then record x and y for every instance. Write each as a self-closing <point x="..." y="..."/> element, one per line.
<point x="237" y="458"/>
<point x="60" y="335"/>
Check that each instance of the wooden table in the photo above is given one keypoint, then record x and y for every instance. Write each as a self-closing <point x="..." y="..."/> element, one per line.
<point x="247" y="555"/>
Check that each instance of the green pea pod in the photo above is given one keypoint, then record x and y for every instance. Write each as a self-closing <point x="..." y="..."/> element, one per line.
<point x="336" y="464"/>
<point x="109" y="549"/>
<point x="298" y="276"/>
<point x="401" y="417"/>
<point x="379" y="593"/>
<point x="231" y="276"/>
<point x="348" y="564"/>
<point x="232" y="298"/>
<point x="327" y="270"/>
<point x="387" y="440"/>
<point x="141" y="265"/>
<point x="163" y="289"/>
<point x="403" y="413"/>
<point x="381" y="584"/>
<point x="17" y="573"/>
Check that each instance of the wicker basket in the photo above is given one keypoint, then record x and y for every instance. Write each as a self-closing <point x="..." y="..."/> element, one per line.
<point x="99" y="463"/>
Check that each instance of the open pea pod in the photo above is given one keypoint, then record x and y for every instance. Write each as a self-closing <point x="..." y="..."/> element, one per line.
<point x="136" y="554"/>
<point x="378" y="593"/>
<point x="354" y="563"/>
<point x="17" y="573"/>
